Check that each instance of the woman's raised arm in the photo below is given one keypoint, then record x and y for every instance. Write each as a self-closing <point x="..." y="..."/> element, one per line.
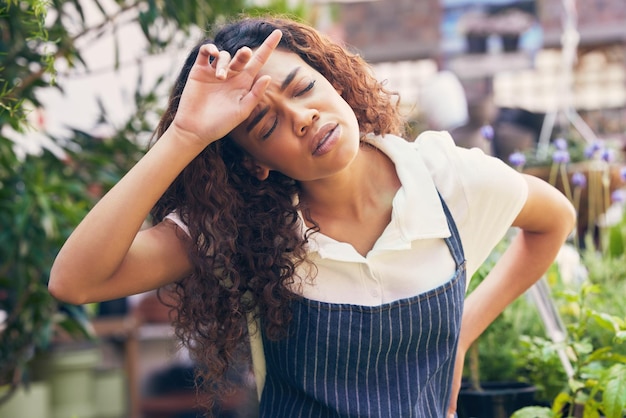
<point x="107" y="256"/>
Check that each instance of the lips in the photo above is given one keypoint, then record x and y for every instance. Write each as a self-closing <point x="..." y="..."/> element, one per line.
<point x="323" y="138"/>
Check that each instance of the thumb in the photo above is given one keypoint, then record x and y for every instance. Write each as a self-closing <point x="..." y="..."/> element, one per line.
<point x="452" y="411"/>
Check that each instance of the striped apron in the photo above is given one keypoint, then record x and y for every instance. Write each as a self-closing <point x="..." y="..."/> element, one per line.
<point x="394" y="360"/>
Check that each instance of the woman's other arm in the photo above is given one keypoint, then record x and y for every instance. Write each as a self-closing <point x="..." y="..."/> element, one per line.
<point x="545" y="221"/>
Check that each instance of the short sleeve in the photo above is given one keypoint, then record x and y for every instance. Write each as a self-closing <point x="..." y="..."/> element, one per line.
<point x="175" y="218"/>
<point x="484" y="194"/>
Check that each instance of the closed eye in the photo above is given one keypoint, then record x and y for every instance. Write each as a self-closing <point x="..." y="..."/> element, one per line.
<point x="307" y="88"/>
<point x="269" y="132"/>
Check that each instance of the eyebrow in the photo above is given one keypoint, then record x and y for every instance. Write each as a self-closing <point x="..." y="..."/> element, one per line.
<point x="257" y="119"/>
<point x="289" y="78"/>
<point x="263" y="112"/>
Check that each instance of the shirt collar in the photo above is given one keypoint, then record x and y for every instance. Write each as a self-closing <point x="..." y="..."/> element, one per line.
<point x="417" y="204"/>
<point x="417" y="209"/>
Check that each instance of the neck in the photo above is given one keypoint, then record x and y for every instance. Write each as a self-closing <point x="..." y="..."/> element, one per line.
<point x="369" y="183"/>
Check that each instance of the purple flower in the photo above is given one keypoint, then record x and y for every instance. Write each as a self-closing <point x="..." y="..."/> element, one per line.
<point x="593" y="148"/>
<point x="622" y="173"/>
<point x="560" y="157"/>
<point x="618" y="196"/>
<point x="487" y="132"/>
<point x="579" y="179"/>
<point x="517" y="159"/>
<point x="560" y="144"/>
<point x="608" y="155"/>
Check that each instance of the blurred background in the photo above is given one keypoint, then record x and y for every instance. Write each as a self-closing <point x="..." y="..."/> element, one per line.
<point x="83" y="83"/>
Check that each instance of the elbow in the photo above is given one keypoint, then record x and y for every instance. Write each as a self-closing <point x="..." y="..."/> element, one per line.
<point x="61" y="288"/>
<point x="562" y="220"/>
<point x="547" y="211"/>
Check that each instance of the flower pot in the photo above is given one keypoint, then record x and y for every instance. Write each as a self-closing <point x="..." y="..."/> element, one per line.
<point x="476" y="43"/>
<point x="510" y="42"/>
<point x="71" y="375"/>
<point x="27" y="402"/>
<point x="115" y="307"/>
<point x="593" y="199"/>
<point x="110" y="394"/>
<point x="496" y="400"/>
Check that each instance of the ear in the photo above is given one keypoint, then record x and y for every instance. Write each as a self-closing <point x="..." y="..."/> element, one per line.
<point x="254" y="168"/>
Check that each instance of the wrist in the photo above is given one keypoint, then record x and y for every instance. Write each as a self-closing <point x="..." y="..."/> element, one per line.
<point x="184" y="139"/>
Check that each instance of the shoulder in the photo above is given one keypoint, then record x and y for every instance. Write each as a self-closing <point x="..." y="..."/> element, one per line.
<point x="438" y="150"/>
<point x="478" y="187"/>
<point x="469" y="168"/>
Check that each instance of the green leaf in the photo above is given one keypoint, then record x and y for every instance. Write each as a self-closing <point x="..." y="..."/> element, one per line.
<point x="534" y="412"/>
<point x="614" y="396"/>
<point x="583" y="347"/>
<point x="616" y="241"/>
<point x="575" y="385"/>
<point x="561" y="401"/>
<point x="591" y="409"/>
<point x="602" y="353"/>
<point x="606" y="321"/>
<point x="589" y="288"/>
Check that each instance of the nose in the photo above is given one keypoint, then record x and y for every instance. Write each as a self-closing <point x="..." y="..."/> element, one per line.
<point x="303" y="118"/>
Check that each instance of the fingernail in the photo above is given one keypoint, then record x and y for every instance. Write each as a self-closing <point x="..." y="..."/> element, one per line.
<point x="221" y="73"/>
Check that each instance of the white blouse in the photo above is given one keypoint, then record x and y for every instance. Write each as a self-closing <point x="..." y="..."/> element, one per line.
<point x="410" y="257"/>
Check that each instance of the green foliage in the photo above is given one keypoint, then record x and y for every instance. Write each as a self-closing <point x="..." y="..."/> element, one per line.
<point x="29" y="48"/>
<point x="534" y="412"/>
<point x="542" y="365"/>
<point x="595" y="346"/>
<point x="42" y="199"/>
<point x="40" y="202"/>
<point x="595" y="315"/>
<point x="24" y="57"/>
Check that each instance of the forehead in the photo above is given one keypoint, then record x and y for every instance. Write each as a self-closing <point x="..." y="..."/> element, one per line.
<point x="281" y="63"/>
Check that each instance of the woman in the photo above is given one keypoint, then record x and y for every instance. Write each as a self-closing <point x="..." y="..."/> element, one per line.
<point x="281" y="195"/>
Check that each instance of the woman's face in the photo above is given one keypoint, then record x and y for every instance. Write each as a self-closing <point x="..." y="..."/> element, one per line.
<point x="302" y="127"/>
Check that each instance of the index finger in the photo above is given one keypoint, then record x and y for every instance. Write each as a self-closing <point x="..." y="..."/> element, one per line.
<point x="263" y="52"/>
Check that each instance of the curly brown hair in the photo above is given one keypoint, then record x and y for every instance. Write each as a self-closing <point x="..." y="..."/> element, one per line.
<point x="245" y="235"/>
